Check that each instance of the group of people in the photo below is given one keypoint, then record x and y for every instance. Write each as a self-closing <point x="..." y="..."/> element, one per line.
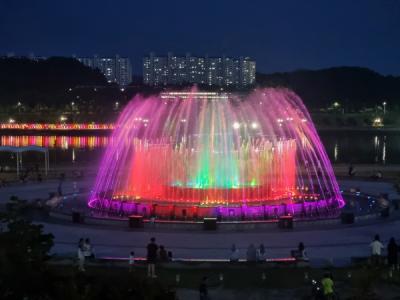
<point x="85" y="252"/>
<point x="253" y="254"/>
<point x="156" y="253"/>
<point x="259" y="254"/>
<point x="376" y="252"/>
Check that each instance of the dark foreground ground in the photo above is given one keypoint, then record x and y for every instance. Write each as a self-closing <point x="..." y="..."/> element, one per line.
<point x="225" y="282"/>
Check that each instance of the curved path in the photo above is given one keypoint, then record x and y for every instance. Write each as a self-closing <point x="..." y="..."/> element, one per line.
<point x="335" y="244"/>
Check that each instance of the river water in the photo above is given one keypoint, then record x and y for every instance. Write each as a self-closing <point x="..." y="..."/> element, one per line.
<point x="370" y="147"/>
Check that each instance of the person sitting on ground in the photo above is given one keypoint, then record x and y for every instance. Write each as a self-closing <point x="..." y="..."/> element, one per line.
<point x="163" y="255"/>
<point x="131" y="261"/>
<point x="234" y="256"/>
<point x="251" y="253"/>
<point x="152" y="249"/>
<point x="376" y="251"/>
<point x="261" y="253"/>
<point x="392" y="253"/>
<point x="327" y="286"/>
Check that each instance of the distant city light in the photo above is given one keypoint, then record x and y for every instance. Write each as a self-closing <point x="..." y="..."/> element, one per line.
<point x="377" y="122"/>
<point x="254" y="125"/>
<point x="63" y="118"/>
<point x="11" y="121"/>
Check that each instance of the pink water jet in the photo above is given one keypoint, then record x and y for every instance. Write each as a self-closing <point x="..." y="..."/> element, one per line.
<point x="188" y="155"/>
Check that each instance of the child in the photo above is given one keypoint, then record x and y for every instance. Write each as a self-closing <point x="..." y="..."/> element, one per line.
<point x="131" y="261"/>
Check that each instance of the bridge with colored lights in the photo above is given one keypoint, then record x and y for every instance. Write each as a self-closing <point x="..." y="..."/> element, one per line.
<point x="56" y="126"/>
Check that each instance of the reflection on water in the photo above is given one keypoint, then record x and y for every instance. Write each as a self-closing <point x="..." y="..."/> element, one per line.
<point x="362" y="147"/>
<point x="342" y="147"/>
<point x="336" y="152"/>
<point x="384" y="150"/>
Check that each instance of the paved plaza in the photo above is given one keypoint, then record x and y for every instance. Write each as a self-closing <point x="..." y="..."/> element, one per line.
<point x="325" y="244"/>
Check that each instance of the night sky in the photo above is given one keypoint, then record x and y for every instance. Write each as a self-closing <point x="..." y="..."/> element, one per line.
<point x="281" y="35"/>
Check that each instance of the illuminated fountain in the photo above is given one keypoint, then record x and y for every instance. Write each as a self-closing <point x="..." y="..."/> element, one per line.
<point x="189" y="155"/>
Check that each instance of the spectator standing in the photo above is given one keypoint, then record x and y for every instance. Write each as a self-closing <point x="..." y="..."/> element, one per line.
<point x="203" y="289"/>
<point x="376" y="251"/>
<point x="261" y="253"/>
<point x="302" y="251"/>
<point x="131" y="261"/>
<point x="81" y="242"/>
<point x="152" y="249"/>
<point x="170" y="256"/>
<point x="251" y="254"/>
<point x="81" y="260"/>
<point x="234" y="257"/>
<point x="88" y="249"/>
<point x="163" y="254"/>
<point x="327" y="286"/>
<point x="392" y="253"/>
<point x="351" y="170"/>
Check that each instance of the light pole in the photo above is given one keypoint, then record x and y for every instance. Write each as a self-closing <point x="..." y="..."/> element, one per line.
<point x="384" y="107"/>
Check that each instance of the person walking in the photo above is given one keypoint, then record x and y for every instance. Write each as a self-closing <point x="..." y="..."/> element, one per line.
<point x="376" y="251"/>
<point x="131" y="261"/>
<point x="392" y="253"/>
<point x="152" y="249"/>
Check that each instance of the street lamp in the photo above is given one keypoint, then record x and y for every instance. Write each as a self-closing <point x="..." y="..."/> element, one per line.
<point x="384" y="107"/>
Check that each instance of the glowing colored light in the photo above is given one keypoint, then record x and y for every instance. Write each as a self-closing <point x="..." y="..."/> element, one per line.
<point x="209" y="167"/>
<point x="58" y="126"/>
